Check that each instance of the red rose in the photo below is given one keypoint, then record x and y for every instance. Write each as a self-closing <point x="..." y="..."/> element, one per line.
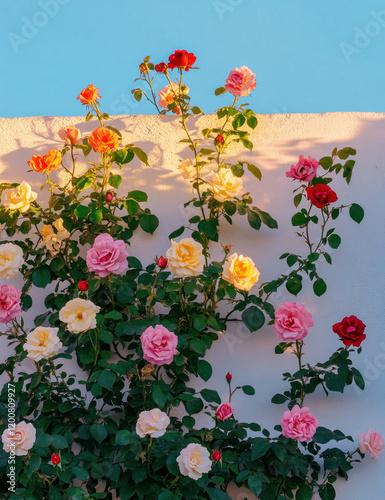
<point x="181" y="59"/>
<point x="55" y="459"/>
<point x="83" y="286"/>
<point x="351" y="330"/>
<point x="161" y="67"/>
<point x="217" y="455"/>
<point x="321" y="195"/>
<point x="109" y="196"/>
<point x="162" y="262"/>
<point x="229" y="377"/>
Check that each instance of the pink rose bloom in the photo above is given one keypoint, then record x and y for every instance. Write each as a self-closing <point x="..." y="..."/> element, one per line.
<point x="291" y="322"/>
<point x="159" y="345"/>
<point x="107" y="256"/>
<point x="299" y="424"/>
<point x="70" y="134"/>
<point x="305" y="170"/>
<point x="371" y="441"/>
<point x="224" y="411"/>
<point x="241" y="81"/>
<point x="9" y="303"/>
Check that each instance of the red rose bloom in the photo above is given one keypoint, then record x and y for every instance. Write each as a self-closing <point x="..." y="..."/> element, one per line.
<point x="217" y="455"/>
<point x="55" y="459"/>
<point x="321" y="195"/>
<point x="181" y="59"/>
<point x="161" y="67"/>
<point x="351" y="330"/>
<point x="83" y="285"/>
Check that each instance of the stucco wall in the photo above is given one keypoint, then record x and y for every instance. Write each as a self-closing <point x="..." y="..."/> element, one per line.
<point x="355" y="281"/>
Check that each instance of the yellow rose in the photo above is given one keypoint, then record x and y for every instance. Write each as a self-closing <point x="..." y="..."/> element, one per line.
<point x="18" y="198"/>
<point x="225" y="185"/>
<point x="53" y="240"/>
<point x="42" y="343"/>
<point x="240" y="271"/>
<point x="185" y="258"/>
<point x="11" y="259"/>
<point x="79" y="314"/>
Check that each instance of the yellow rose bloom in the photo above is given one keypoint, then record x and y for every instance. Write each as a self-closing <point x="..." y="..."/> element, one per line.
<point x="185" y="258"/>
<point x="240" y="271"/>
<point x="79" y="314"/>
<point x="53" y="240"/>
<point x="11" y="259"/>
<point x="225" y="185"/>
<point x="42" y="343"/>
<point x="18" y="198"/>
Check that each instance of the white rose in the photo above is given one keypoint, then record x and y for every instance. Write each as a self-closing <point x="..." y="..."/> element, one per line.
<point x="225" y="185"/>
<point x="53" y="240"/>
<point x="19" y="440"/>
<point x="240" y="271"/>
<point x="42" y="342"/>
<point x="185" y="258"/>
<point x="11" y="259"/>
<point x="18" y="198"/>
<point x="194" y="460"/>
<point x="153" y="422"/>
<point x="79" y="314"/>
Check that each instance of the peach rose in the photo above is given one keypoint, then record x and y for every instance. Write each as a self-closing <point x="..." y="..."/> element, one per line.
<point x="42" y="343"/>
<point x="11" y="260"/>
<point x="170" y="93"/>
<point x="371" y="441"/>
<point x="89" y="95"/>
<point x="240" y="271"/>
<point x="153" y="422"/>
<point x="18" y="198"/>
<point x="70" y="134"/>
<point x="225" y="185"/>
<point x="79" y="314"/>
<point x="224" y="411"/>
<point x="194" y="460"/>
<point x="52" y="240"/>
<point x="19" y="440"/>
<point x="103" y="139"/>
<point x="50" y="161"/>
<point x="185" y="258"/>
<point x="240" y="82"/>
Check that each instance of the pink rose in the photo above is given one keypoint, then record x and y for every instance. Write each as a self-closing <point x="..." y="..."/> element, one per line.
<point x="371" y="441"/>
<point x="305" y="170"/>
<point x="291" y="322"/>
<point x="107" y="256"/>
<point x="299" y="424"/>
<point x="159" y="345"/>
<point x="224" y="411"/>
<point x="70" y="134"/>
<point x="9" y="303"/>
<point x="241" y="81"/>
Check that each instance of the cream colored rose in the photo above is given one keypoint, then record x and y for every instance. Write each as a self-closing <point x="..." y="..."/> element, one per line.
<point x="225" y="185"/>
<point x="187" y="169"/>
<point x="153" y="422"/>
<point x="185" y="258"/>
<point x="11" y="259"/>
<point x="79" y="314"/>
<point x="194" y="460"/>
<point x="240" y="271"/>
<point x="18" y="198"/>
<point x="20" y="439"/>
<point x="53" y="240"/>
<point x="42" y="343"/>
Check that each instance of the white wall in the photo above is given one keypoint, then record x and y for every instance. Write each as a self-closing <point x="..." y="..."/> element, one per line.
<point x="355" y="281"/>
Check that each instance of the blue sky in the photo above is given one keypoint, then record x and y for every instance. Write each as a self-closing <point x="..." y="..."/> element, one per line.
<point x="307" y="56"/>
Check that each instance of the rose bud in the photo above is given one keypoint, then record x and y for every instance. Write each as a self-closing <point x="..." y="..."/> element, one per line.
<point x="217" y="455"/>
<point x="229" y="377"/>
<point x="162" y="262"/>
<point x="219" y="139"/>
<point x="55" y="459"/>
<point x="143" y="68"/>
<point x="161" y="67"/>
<point x="227" y="248"/>
<point x="83" y="286"/>
<point x="109" y="196"/>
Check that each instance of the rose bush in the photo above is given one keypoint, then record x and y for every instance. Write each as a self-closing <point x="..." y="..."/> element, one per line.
<point x="140" y="332"/>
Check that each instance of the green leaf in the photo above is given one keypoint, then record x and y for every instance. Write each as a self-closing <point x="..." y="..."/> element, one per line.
<point x="254" y="170"/>
<point x="220" y="90"/>
<point x="356" y="212"/>
<point x="159" y="396"/>
<point x="59" y="442"/>
<point x="210" y="396"/>
<point x="254" y="219"/>
<point x="238" y="121"/>
<point x="319" y="287"/>
<point x="279" y="399"/>
<point x="334" y="240"/>
<point x="41" y="277"/>
<point x="113" y="315"/>
<point x="298" y="219"/>
<point x="123" y="437"/>
<point x="297" y="199"/>
<point x="149" y="222"/>
<point x="216" y="494"/>
<point x="115" y="130"/>
<point x="176" y="233"/>
<point x="204" y="369"/>
<point x="96" y="216"/>
<point x="294" y="285"/>
<point x="326" y="162"/>
<point x="34" y="462"/>
<point x="137" y="195"/>
<point x="335" y="382"/>
<point x="260" y="448"/>
<point x="80" y="472"/>
<point x="358" y="379"/>
<point x="98" y="432"/>
<point x="252" y="121"/>
<point x="123" y="156"/>
<point x="253" y="318"/>
<point x="327" y="492"/>
<point x="115" y="180"/>
<point x="81" y="211"/>
<point x="255" y="485"/>
<point x="140" y="154"/>
<point x="304" y="492"/>
<point x="196" y="110"/>
<point x="323" y="435"/>
<point x="107" y="379"/>
<point x="248" y="390"/>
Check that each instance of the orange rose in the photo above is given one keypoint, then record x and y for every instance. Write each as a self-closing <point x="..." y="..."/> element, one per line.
<point x="89" y="95"/>
<point x="103" y="139"/>
<point x="46" y="163"/>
